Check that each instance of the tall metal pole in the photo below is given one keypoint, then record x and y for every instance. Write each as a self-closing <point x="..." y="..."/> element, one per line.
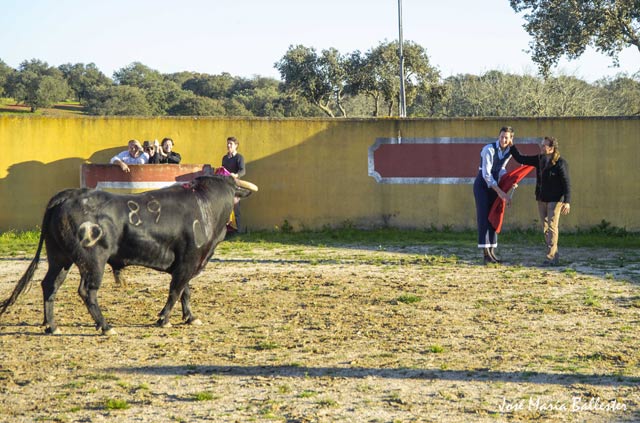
<point x="403" y="101"/>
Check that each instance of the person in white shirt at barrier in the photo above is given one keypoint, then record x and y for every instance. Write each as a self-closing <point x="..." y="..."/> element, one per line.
<point x="133" y="155"/>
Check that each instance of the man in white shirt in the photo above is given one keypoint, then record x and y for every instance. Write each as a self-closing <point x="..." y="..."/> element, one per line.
<point x="133" y="155"/>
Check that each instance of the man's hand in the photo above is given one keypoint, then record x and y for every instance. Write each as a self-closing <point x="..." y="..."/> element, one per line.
<point x="124" y="166"/>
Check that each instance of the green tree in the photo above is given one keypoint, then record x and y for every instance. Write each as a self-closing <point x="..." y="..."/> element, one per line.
<point x="180" y="77"/>
<point x="137" y="75"/>
<point x="376" y="74"/>
<point x="82" y="78"/>
<point x="161" y="92"/>
<point x="213" y="86"/>
<point x="319" y="79"/>
<point x="163" y="95"/>
<point x="5" y="72"/>
<point x="571" y="96"/>
<point x="262" y="96"/>
<point x="429" y="101"/>
<point x="567" y="27"/>
<point x="118" y="100"/>
<point x="622" y="94"/>
<point x="36" y="84"/>
<point x="500" y="94"/>
<point x="193" y="105"/>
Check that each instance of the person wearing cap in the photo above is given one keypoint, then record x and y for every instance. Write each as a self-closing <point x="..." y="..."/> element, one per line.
<point x="133" y="155"/>
<point x="152" y="148"/>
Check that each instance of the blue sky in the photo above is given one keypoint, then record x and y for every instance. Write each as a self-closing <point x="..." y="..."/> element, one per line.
<point x="246" y="37"/>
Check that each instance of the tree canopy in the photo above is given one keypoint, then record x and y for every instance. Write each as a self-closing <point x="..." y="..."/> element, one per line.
<point x="567" y="27"/>
<point x="325" y="83"/>
<point x="37" y="84"/>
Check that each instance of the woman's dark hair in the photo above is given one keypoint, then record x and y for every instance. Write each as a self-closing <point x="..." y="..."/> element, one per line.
<point x="553" y="143"/>
<point x="168" y="139"/>
<point x="234" y="140"/>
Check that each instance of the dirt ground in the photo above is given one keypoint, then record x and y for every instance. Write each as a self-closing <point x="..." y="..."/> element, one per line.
<point x="301" y="334"/>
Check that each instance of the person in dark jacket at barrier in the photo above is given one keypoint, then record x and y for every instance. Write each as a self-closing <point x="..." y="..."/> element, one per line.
<point x="553" y="191"/>
<point x="493" y="161"/>
<point x="166" y="153"/>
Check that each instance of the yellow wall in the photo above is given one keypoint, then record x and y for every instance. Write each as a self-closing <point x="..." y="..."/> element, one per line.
<point x="315" y="172"/>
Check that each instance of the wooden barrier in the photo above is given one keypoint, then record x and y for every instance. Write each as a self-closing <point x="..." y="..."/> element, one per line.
<point x="140" y="178"/>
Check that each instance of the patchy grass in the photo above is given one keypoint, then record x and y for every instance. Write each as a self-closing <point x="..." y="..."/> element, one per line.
<point x="602" y="235"/>
<point x="14" y="243"/>
<point x="203" y="396"/>
<point x="116" y="404"/>
<point x="409" y="299"/>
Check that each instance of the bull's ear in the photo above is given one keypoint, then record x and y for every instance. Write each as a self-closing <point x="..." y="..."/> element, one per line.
<point x="242" y="192"/>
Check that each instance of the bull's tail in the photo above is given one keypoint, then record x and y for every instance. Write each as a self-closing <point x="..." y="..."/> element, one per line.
<point x="23" y="283"/>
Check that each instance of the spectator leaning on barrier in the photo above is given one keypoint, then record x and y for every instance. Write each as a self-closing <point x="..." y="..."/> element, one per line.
<point x="152" y="148"/>
<point x="133" y="155"/>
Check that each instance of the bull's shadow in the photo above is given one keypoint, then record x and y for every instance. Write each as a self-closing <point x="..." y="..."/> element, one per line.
<point x="28" y="186"/>
<point x="484" y="375"/>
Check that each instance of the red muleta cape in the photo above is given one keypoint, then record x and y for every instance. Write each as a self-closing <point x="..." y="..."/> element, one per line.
<point x="496" y="214"/>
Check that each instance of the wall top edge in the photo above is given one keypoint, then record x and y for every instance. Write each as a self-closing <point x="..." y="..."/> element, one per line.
<point x="503" y="120"/>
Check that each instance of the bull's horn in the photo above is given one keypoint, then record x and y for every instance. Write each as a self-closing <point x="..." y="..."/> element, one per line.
<point x="247" y="185"/>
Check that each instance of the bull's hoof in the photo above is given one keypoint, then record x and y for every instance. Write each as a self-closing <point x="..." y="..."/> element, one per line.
<point x="55" y="331"/>
<point x="195" y="322"/>
<point x="162" y="324"/>
<point x="109" y="332"/>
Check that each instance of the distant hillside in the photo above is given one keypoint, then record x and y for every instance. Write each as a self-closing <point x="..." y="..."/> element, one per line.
<point x="9" y="106"/>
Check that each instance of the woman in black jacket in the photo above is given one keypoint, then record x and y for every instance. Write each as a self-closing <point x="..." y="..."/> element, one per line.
<point x="166" y="153"/>
<point x="553" y="191"/>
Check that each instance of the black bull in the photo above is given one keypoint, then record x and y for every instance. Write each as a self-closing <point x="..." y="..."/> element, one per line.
<point x="174" y="230"/>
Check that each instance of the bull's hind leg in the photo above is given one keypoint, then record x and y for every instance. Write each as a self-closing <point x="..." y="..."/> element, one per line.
<point x="185" y="300"/>
<point x="50" y="284"/>
<point x="90" y="281"/>
<point x="176" y="290"/>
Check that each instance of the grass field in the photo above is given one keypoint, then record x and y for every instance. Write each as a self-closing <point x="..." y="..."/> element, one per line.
<point x="346" y="325"/>
<point x="9" y="106"/>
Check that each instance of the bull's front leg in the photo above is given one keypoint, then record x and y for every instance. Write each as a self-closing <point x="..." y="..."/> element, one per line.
<point x="185" y="300"/>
